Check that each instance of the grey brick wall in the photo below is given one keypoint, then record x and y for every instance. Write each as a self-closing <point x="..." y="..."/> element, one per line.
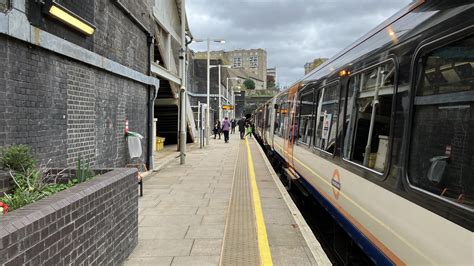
<point x="4" y="181"/>
<point x="64" y="109"/>
<point x="116" y="36"/>
<point x="81" y="115"/>
<point x="95" y="222"/>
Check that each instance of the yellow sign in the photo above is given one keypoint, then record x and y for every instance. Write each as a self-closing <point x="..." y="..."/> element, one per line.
<point x="228" y="107"/>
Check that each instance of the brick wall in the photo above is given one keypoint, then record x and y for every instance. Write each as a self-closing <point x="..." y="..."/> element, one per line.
<point x="4" y="181"/>
<point x="95" y="222"/>
<point x="64" y="109"/>
<point x="116" y="36"/>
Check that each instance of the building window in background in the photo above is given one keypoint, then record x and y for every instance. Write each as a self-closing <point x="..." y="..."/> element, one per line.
<point x="253" y="61"/>
<point x="4" y="5"/>
<point x="237" y="62"/>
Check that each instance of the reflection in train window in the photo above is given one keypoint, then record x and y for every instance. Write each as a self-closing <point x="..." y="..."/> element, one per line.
<point x="267" y="117"/>
<point x="281" y="114"/>
<point x="305" y="115"/>
<point x="442" y="144"/>
<point x="368" y="118"/>
<point x="326" y="117"/>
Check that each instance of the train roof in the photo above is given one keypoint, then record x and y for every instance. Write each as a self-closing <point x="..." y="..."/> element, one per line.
<point x="410" y="21"/>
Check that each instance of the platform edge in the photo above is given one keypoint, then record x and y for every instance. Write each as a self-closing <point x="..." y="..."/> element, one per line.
<point x="313" y="244"/>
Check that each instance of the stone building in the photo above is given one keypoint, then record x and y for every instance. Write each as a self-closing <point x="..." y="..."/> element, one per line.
<point x="308" y="67"/>
<point x="253" y="61"/>
<point x="272" y="78"/>
<point x="67" y="91"/>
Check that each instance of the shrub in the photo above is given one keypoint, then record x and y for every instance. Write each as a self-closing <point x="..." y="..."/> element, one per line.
<point x="35" y="183"/>
<point x="17" y="158"/>
<point x="83" y="173"/>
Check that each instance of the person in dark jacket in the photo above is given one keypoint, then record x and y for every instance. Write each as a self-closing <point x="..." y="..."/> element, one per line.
<point x="241" y="125"/>
<point x="233" y="124"/>
<point x="217" y="129"/>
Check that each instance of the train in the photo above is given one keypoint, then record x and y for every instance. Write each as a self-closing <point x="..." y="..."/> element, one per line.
<point x="382" y="136"/>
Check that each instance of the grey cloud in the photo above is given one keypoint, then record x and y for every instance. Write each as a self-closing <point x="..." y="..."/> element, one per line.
<point x="291" y="31"/>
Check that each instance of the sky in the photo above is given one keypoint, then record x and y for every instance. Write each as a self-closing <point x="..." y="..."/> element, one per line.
<point x="292" y="32"/>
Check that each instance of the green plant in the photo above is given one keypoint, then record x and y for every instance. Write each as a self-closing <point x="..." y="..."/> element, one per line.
<point x="20" y="198"/>
<point x="54" y="188"/>
<point x="17" y="158"/>
<point x="31" y="179"/>
<point x="83" y="173"/>
<point x="249" y="84"/>
<point x="34" y="183"/>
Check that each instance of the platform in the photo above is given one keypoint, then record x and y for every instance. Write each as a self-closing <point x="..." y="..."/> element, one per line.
<point x="225" y="206"/>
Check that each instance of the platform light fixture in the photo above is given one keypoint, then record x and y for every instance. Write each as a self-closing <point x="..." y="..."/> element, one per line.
<point x="66" y="16"/>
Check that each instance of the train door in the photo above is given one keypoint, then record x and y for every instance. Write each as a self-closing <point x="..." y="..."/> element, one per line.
<point x="265" y="123"/>
<point x="292" y="124"/>
<point x="272" y="121"/>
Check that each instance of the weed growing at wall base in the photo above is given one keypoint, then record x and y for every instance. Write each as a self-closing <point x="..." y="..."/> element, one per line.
<point x="34" y="183"/>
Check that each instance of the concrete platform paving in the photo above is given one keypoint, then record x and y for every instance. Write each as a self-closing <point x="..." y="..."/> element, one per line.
<point x="182" y="215"/>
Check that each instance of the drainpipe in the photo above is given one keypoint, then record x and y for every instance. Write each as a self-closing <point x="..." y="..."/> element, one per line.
<point x="153" y="90"/>
<point x="151" y="107"/>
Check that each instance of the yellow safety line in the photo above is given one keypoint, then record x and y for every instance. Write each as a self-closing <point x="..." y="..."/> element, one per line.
<point x="263" y="247"/>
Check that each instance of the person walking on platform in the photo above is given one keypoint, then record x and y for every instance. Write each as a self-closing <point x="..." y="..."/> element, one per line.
<point x="233" y="124"/>
<point x="225" y="128"/>
<point x="217" y="129"/>
<point x="249" y="127"/>
<point x="241" y="125"/>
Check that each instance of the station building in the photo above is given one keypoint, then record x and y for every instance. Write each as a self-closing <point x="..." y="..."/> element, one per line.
<point x="252" y="61"/>
<point x="68" y="90"/>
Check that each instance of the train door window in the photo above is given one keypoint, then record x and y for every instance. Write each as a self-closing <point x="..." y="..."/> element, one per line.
<point x="282" y="114"/>
<point x="326" y="117"/>
<point x="368" y="116"/>
<point x="277" y="126"/>
<point x="306" y="103"/>
<point x="267" y="116"/>
<point x="442" y="142"/>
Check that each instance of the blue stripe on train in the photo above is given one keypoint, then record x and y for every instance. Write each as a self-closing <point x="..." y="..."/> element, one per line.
<point x="365" y="244"/>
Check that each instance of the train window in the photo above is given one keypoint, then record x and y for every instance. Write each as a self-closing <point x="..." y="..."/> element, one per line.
<point x="442" y="144"/>
<point x="326" y="117"/>
<point x="281" y="115"/>
<point x="368" y="116"/>
<point x="305" y="113"/>
<point x="267" y="117"/>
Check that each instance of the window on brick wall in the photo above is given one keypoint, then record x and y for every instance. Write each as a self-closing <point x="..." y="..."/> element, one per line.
<point x="237" y="62"/>
<point x="442" y="143"/>
<point x="253" y="61"/>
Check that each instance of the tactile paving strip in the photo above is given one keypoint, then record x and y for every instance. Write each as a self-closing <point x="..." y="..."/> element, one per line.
<point x="240" y="240"/>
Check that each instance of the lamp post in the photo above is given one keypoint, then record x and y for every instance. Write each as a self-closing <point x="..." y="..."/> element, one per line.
<point x="219" y="83"/>
<point x="182" y="126"/>
<point x="208" y="40"/>
<point x="231" y="95"/>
